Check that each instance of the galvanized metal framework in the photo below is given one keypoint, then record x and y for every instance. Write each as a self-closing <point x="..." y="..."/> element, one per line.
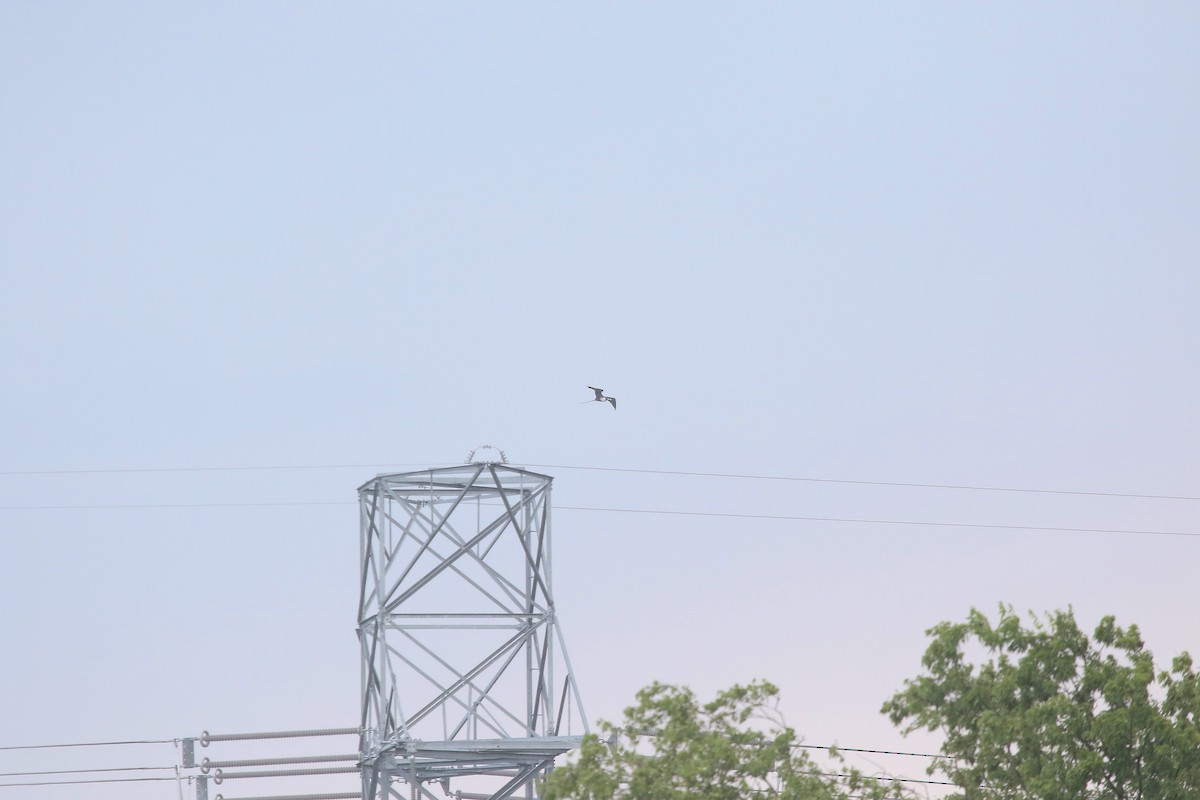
<point x="466" y="680"/>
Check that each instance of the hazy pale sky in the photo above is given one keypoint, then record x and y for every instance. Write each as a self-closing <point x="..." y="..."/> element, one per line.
<point x="934" y="243"/>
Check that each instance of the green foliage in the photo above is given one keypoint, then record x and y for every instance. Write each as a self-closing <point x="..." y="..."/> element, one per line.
<point x="1046" y="713"/>
<point x="671" y="747"/>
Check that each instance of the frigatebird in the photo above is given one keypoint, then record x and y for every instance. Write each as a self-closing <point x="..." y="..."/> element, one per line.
<point x="600" y="398"/>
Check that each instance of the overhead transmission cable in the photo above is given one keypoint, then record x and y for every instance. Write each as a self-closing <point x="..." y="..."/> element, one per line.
<point x="682" y="473"/>
<point x="97" y="506"/>
<point x="876" y="751"/>
<point x="903" y="484"/>
<point x="96" y="780"/>
<point x="865" y="521"/>
<point x="85" y="744"/>
<point x="893" y="779"/>
<point x="252" y="468"/>
<point x="82" y="771"/>
<point x="126" y="779"/>
<point x="841" y="749"/>
<point x="714" y="514"/>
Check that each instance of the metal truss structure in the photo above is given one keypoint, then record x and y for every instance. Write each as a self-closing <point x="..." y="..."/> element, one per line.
<point x="466" y="679"/>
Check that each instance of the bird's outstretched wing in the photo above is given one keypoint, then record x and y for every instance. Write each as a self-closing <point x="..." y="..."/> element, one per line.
<point x="599" y="393"/>
<point x="612" y="400"/>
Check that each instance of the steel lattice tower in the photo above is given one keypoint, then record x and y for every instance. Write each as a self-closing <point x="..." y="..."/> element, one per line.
<point x="466" y="679"/>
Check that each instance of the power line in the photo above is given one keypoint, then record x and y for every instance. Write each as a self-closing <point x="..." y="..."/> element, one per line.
<point x="866" y="750"/>
<point x="876" y="751"/>
<point x="682" y="473"/>
<point x="97" y="780"/>
<point x="80" y="771"/>
<point x="892" y="779"/>
<point x="86" y="744"/>
<point x="864" y="521"/>
<point x="962" y="487"/>
<point x="887" y="779"/>
<point x="713" y="514"/>
<point x="86" y="507"/>
<point x="134" y="470"/>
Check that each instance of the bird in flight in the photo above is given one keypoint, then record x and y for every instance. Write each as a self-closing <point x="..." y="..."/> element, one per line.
<point x="600" y="398"/>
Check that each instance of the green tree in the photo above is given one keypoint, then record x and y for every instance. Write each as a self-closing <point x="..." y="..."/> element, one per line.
<point x="1043" y="711"/>
<point x="671" y="747"/>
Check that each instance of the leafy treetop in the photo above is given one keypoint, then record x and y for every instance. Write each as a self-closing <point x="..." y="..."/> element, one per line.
<point x="1043" y="711"/>
<point x="671" y="747"/>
